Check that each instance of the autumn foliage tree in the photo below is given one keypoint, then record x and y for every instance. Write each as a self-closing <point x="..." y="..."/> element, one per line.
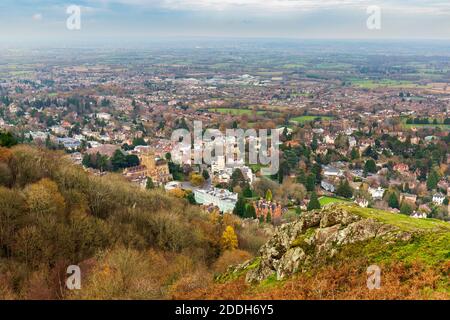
<point x="229" y="239"/>
<point x="43" y="197"/>
<point x="197" y="180"/>
<point x="53" y="214"/>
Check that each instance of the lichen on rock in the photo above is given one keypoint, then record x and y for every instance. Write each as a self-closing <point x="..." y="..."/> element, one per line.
<point x="316" y="235"/>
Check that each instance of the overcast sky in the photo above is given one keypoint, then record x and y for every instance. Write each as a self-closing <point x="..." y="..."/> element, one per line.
<point x="123" y="19"/>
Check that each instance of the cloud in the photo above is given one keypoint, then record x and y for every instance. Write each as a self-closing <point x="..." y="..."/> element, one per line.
<point x="279" y="5"/>
<point x="37" y="17"/>
<point x="405" y="6"/>
<point x="271" y="18"/>
<point x="222" y="5"/>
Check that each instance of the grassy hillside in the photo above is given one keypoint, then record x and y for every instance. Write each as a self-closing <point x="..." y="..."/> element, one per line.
<point x="401" y="221"/>
<point x="133" y="243"/>
<point x="128" y="242"/>
<point x="413" y="267"/>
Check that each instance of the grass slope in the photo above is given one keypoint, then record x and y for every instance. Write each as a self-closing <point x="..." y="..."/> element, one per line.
<point x="324" y="201"/>
<point x="415" y="269"/>
<point x="305" y="119"/>
<point x="401" y="221"/>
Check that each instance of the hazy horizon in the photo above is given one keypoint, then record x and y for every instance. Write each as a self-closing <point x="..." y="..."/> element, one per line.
<point x="45" y="20"/>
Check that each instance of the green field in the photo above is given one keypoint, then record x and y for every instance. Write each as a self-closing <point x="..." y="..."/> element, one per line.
<point x="324" y="201"/>
<point x="334" y="66"/>
<point x="430" y="125"/>
<point x="401" y="221"/>
<point x="305" y="119"/>
<point x="293" y="66"/>
<point x="374" y="84"/>
<point x="236" y="112"/>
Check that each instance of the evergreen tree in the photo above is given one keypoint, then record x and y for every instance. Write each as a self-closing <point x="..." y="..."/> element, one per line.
<point x="393" y="201"/>
<point x="269" y="195"/>
<point x="313" y="202"/>
<point x="205" y="174"/>
<point x="240" y="209"/>
<point x="432" y="181"/>
<point x="344" y="189"/>
<point x="269" y="218"/>
<point x="132" y="160"/>
<point x="370" y="166"/>
<point x="102" y="162"/>
<point x="149" y="185"/>
<point x="86" y="160"/>
<point x="118" y="160"/>
<point x="311" y="182"/>
<point x="250" y="212"/>
<point x="314" y="144"/>
<point x="317" y="171"/>
<point x="283" y="171"/>
<point x="355" y="153"/>
<point x="191" y="198"/>
<point x="247" y="193"/>
<point x="406" y="208"/>
<point x="302" y="178"/>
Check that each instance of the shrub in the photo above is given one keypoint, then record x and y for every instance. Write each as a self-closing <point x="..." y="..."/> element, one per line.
<point x="30" y="165"/>
<point x="229" y="258"/>
<point x="43" y="198"/>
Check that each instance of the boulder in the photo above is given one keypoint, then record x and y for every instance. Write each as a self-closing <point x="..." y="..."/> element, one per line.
<point x="316" y="235"/>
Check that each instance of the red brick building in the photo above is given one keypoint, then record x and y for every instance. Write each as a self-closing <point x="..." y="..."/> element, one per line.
<point x="263" y="208"/>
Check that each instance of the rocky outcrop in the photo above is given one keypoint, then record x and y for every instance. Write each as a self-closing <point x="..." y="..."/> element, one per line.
<point x="316" y="235"/>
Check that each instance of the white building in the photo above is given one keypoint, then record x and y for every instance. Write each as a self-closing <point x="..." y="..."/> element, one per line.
<point x="104" y="116"/>
<point x="69" y="143"/>
<point x="58" y="130"/>
<point x="332" y="172"/>
<point x="329" y="139"/>
<point x="419" y="215"/>
<point x="173" y="185"/>
<point x="221" y="198"/>
<point x="377" y="194"/>
<point x="328" y="186"/>
<point x="363" y="203"/>
<point x="438" y="198"/>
